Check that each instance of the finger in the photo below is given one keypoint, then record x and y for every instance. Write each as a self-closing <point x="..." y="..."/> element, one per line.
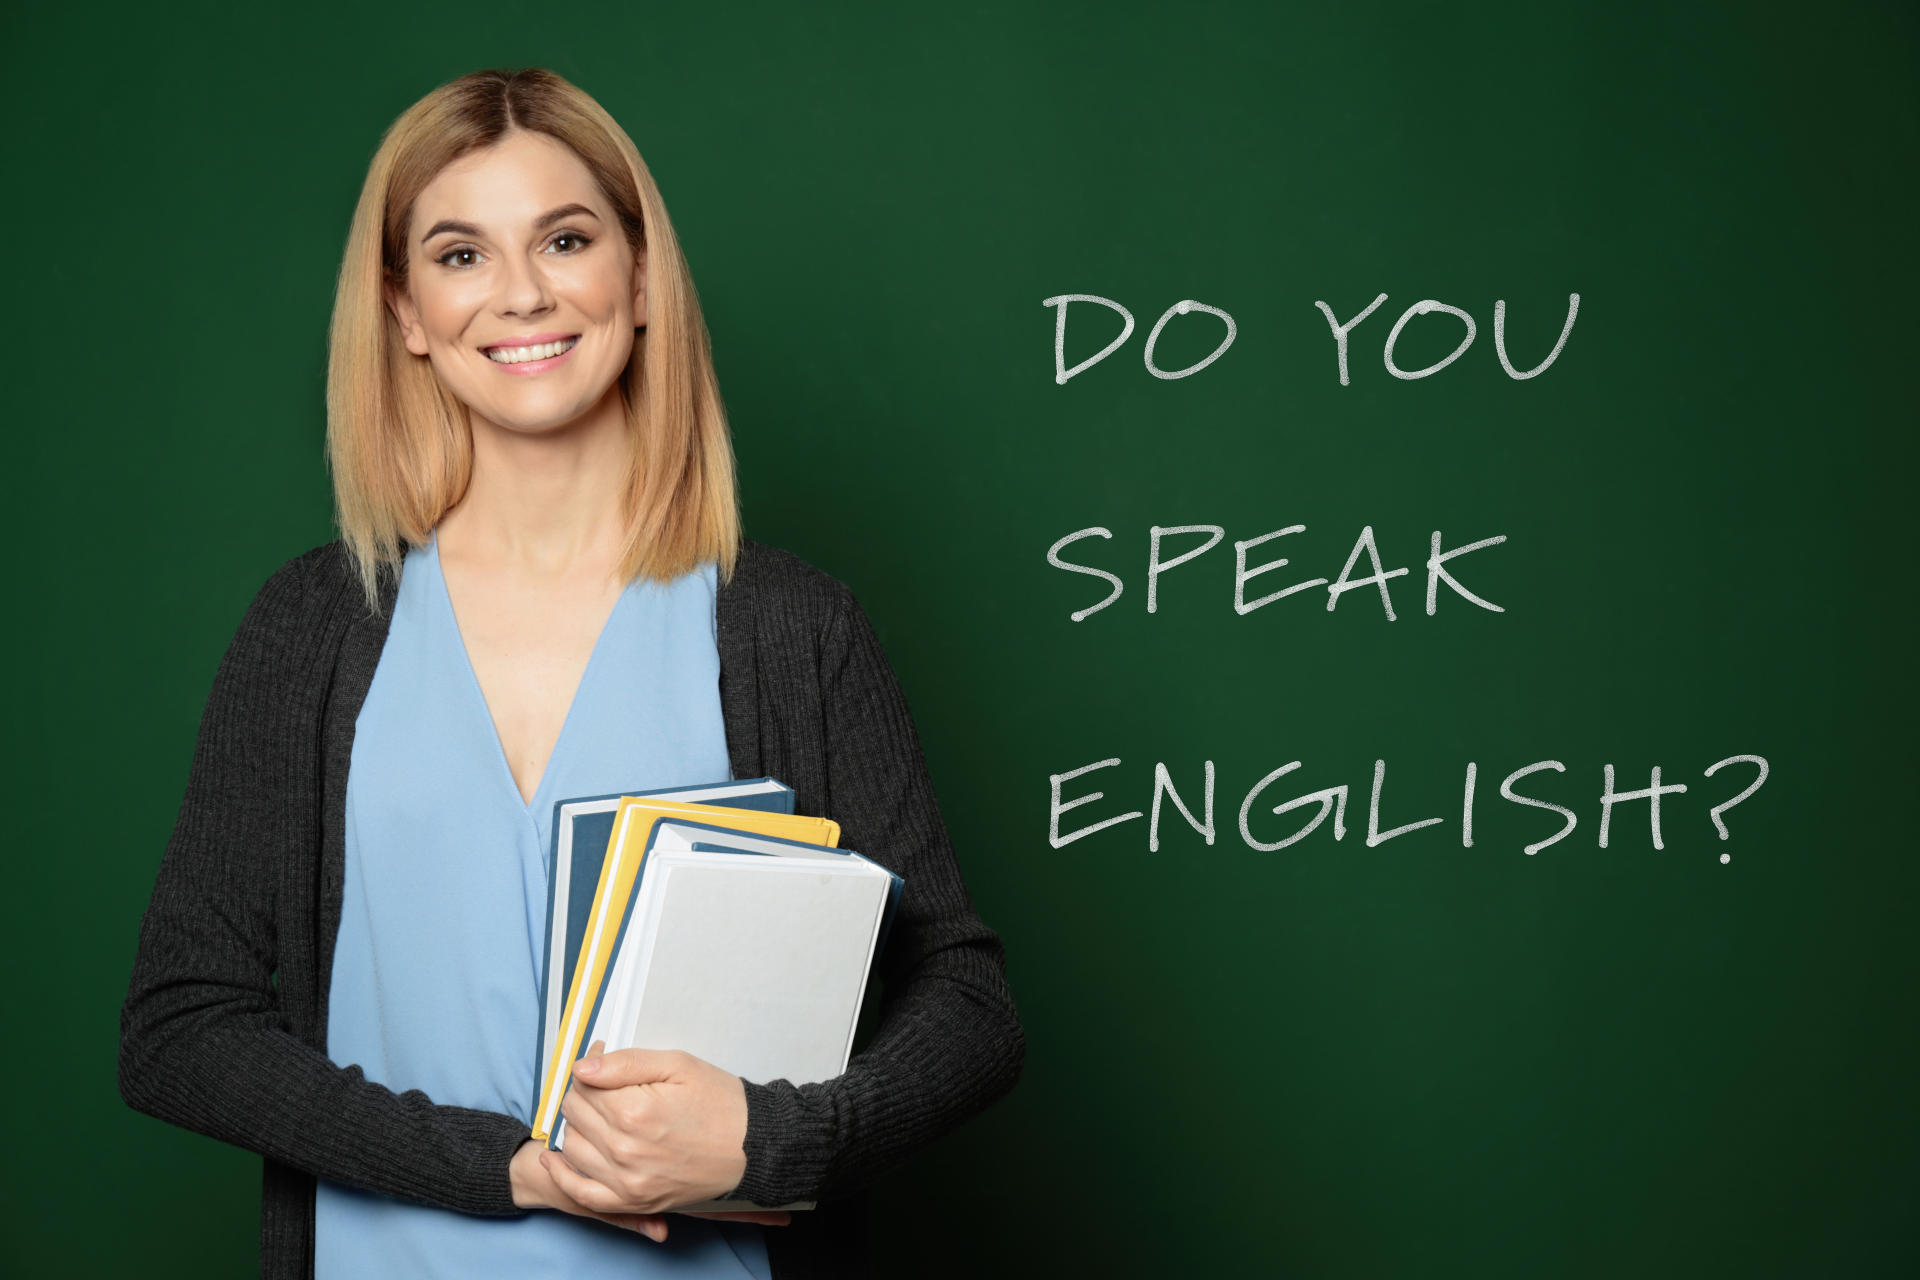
<point x="651" y="1225"/>
<point x="589" y="1142"/>
<point x="630" y="1066"/>
<point x="582" y="1190"/>
<point x="589" y="1060"/>
<point x="594" y="1106"/>
<point x="766" y="1218"/>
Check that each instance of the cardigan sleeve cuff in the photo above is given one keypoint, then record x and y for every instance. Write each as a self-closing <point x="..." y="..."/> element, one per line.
<point x="784" y="1146"/>
<point x="497" y="1139"/>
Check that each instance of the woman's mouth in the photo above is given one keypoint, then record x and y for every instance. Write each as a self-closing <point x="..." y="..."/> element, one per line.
<point x="536" y="358"/>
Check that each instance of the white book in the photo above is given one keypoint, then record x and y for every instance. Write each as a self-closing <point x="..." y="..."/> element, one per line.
<point x="749" y="951"/>
<point x="582" y="827"/>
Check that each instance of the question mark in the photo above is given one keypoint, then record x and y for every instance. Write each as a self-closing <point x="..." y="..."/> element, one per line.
<point x="1752" y="787"/>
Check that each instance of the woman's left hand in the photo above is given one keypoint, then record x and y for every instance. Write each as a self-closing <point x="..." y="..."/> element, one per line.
<point x="649" y="1129"/>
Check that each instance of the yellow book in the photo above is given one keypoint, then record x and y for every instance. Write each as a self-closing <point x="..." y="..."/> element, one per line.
<point x="620" y="870"/>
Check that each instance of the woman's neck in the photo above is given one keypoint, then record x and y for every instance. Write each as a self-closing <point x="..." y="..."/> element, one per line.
<point x="547" y="504"/>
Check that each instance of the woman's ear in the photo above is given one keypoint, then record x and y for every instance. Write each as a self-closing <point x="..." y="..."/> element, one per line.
<point x="640" y="288"/>
<point x="402" y="308"/>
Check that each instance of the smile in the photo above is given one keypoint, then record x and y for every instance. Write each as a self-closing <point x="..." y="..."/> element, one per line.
<point x="543" y="353"/>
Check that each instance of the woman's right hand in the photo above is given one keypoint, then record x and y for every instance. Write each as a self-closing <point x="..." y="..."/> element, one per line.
<point x="534" y="1188"/>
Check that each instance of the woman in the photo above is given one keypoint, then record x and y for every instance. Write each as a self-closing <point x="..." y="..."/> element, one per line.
<point x="540" y="591"/>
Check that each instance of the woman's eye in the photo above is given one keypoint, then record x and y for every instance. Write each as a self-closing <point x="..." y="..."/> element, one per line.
<point x="575" y="238"/>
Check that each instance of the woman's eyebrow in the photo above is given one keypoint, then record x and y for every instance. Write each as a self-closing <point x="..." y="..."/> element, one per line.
<point x="546" y="219"/>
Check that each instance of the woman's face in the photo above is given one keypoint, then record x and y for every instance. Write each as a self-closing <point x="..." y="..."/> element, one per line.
<point x="514" y="247"/>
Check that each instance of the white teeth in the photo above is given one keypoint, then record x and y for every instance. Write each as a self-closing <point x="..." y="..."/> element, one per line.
<point x="520" y="355"/>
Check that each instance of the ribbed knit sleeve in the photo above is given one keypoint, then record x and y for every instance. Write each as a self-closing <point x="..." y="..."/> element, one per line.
<point x="204" y="1043"/>
<point x="949" y="1041"/>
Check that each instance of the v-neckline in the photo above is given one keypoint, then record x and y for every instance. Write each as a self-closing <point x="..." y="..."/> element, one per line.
<point x="529" y="807"/>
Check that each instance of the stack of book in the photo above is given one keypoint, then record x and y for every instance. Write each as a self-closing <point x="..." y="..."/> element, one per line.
<point x="711" y="919"/>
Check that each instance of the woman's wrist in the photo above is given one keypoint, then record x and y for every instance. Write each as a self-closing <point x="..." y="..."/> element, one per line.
<point x="527" y="1177"/>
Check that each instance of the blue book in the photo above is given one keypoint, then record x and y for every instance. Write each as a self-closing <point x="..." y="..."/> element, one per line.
<point x="581" y="828"/>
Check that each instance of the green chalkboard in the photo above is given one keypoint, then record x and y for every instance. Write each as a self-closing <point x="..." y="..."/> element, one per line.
<point x="1343" y="1057"/>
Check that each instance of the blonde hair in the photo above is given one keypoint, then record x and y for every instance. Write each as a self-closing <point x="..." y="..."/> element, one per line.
<point x="399" y="445"/>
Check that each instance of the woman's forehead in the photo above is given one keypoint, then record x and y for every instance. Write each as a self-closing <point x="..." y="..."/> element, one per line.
<point x="512" y="184"/>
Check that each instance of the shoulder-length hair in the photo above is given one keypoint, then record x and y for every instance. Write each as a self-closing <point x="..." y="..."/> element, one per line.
<point x="399" y="444"/>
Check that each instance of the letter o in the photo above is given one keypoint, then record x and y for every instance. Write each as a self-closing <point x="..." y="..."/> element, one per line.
<point x="1419" y="309"/>
<point x="1182" y="308"/>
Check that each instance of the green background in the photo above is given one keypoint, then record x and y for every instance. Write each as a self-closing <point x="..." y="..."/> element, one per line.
<point x="1331" y="1060"/>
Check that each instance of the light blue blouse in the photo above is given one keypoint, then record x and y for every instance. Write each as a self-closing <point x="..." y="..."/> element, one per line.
<point x="437" y="968"/>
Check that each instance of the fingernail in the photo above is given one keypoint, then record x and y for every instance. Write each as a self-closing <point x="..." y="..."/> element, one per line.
<point x="586" y="1066"/>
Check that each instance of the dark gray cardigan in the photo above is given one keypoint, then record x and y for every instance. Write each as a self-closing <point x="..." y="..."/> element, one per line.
<point x="224" y="1026"/>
